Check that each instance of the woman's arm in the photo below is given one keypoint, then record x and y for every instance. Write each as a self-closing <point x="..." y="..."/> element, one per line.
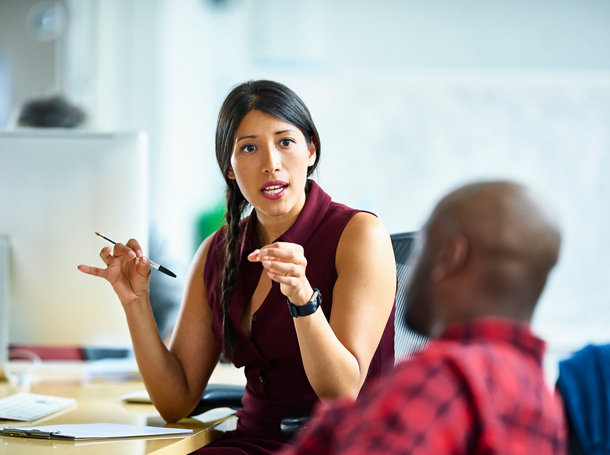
<point x="174" y="377"/>
<point x="193" y="341"/>
<point x="337" y="353"/>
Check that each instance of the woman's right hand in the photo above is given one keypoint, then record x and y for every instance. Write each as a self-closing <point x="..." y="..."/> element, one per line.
<point x="127" y="270"/>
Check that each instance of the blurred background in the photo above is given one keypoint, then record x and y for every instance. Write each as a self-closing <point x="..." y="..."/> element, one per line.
<point x="411" y="98"/>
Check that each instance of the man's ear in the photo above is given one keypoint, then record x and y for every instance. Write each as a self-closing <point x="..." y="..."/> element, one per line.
<point x="451" y="258"/>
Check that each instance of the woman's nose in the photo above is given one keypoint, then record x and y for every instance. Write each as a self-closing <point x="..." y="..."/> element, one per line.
<point x="272" y="160"/>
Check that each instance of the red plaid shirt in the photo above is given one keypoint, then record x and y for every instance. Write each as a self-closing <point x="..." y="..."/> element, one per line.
<point x="478" y="389"/>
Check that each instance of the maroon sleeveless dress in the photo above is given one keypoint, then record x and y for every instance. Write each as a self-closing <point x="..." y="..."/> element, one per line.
<point x="277" y="385"/>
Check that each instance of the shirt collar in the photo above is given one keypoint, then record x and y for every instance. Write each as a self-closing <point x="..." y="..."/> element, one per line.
<point x="316" y="205"/>
<point x="314" y="211"/>
<point x="516" y="333"/>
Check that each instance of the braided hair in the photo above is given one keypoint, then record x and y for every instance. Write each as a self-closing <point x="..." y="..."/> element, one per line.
<point x="274" y="99"/>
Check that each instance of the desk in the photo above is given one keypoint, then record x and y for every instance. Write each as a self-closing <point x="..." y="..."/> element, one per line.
<point x="100" y="401"/>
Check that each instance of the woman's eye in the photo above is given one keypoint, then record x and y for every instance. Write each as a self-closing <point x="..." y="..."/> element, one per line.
<point x="248" y="148"/>
<point x="286" y="142"/>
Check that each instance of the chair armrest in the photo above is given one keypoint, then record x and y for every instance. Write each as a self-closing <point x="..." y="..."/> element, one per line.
<point x="290" y="425"/>
<point x="219" y="396"/>
<point x="229" y="396"/>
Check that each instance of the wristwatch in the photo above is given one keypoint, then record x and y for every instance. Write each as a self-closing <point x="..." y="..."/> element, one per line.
<point x="307" y="309"/>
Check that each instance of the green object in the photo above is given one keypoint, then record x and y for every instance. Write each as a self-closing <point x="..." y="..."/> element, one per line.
<point x="208" y="222"/>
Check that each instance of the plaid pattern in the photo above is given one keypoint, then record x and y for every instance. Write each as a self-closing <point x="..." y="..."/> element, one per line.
<point x="479" y="389"/>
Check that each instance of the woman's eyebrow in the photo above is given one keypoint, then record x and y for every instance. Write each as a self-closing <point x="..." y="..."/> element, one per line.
<point x="253" y="136"/>
<point x="245" y="137"/>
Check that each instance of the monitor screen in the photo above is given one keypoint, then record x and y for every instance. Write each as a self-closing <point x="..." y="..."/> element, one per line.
<point x="58" y="188"/>
<point x="5" y="92"/>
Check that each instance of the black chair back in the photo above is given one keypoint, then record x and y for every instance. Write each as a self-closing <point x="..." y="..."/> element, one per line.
<point x="406" y="341"/>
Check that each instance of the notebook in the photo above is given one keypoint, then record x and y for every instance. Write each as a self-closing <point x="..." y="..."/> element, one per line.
<point x="86" y="431"/>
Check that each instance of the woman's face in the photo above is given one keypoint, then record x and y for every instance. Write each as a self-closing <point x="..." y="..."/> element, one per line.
<point x="269" y="161"/>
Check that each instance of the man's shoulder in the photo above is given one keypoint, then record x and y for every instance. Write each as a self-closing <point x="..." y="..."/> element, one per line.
<point x="440" y="351"/>
<point x="440" y="358"/>
<point x="434" y="363"/>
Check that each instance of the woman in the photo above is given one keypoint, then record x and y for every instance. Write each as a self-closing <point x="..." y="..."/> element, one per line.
<point x="296" y="248"/>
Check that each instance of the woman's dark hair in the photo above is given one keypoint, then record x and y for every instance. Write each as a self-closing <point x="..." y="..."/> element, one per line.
<point x="279" y="101"/>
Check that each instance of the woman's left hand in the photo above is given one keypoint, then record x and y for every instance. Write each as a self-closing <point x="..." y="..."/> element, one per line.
<point x="285" y="263"/>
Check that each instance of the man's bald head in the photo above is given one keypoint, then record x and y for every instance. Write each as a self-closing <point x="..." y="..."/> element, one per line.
<point x="487" y="250"/>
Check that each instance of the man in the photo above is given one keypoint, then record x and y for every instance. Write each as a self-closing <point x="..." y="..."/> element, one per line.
<point x="478" y="387"/>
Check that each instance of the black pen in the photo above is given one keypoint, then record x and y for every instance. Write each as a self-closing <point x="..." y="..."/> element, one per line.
<point x="154" y="265"/>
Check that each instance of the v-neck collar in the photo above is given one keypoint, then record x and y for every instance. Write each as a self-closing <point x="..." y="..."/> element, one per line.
<point x="312" y="214"/>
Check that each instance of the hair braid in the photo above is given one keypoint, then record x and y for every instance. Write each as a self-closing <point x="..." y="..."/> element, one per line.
<point x="236" y="204"/>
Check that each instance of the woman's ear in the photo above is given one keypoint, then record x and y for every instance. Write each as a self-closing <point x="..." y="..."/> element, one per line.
<point x="313" y="151"/>
<point x="230" y="174"/>
<point x="451" y="258"/>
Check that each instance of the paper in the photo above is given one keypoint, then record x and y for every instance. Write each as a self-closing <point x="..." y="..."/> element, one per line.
<point x="214" y="414"/>
<point x="92" y="431"/>
<point x="138" y="397"/>
<point x="112" y="369"/>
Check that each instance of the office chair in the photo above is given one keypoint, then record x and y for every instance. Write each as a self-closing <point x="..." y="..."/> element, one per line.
<point x="584" y="385"/>
<point x="406" y="341"/>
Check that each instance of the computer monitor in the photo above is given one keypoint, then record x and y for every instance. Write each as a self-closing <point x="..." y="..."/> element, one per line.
<point x="58" y="187"/>
<point x="5" y="92"/>
<point x="3" y="302"/>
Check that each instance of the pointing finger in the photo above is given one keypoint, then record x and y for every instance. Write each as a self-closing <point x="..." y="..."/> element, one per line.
<point x="95" y="271"/>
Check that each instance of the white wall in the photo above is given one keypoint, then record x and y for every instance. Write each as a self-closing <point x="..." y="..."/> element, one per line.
<point x="410" y="97"/>
<point x="438" y="131"/>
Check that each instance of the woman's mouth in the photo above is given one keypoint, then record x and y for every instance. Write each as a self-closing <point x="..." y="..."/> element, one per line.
<point x="274" y="190"/>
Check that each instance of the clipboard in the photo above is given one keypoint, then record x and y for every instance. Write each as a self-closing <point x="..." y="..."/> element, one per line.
<point x="90" y="431"/>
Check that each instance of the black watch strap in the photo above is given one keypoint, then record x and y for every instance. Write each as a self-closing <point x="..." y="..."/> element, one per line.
<point x="309" y="308"/>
